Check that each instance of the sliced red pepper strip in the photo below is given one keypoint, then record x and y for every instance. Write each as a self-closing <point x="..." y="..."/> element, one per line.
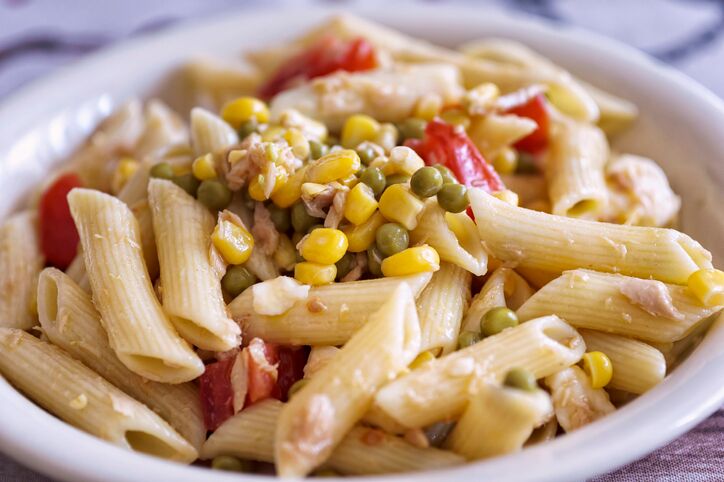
<point x="534" y="109"/>
<point x="291" y="368"/>
<point x="58" y="234"/>
<point x="217" y="395"/>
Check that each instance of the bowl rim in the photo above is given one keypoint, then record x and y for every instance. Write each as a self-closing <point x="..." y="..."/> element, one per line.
<point x="667" y="411"/>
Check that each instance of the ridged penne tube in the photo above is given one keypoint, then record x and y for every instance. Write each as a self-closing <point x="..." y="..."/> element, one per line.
<point x="363" y="451"/>
<point x="498" y="420"/>
<point x="77" y="395"/>
<point x="637" y="367"/>
<point x="163" y="127"/>
<point x="492" y="132"/>
<point x="615" y="113"/>
<point x="215" y="81"/>
<point x="644" y="309"/>
<point x="209" y="133"/>
<point x="676" y="351"/>
<point x="575" y="401"/>
<point x="330" y="314"/>
<point x="319" y="415"/>
<point x="138" y="330"/>
<point x="453" y="236"/>
<point x="505" y="287"/>
<point x="574" y="169"/>
<point x="20" y="263"/>
<point x="555" y="243"/>
<point x="191" y="286"/>
<point x="71" y="322"/>
<point x="439" y="389"/>
<point x="440" y="307"/>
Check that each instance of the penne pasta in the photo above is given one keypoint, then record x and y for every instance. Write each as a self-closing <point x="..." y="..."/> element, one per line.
<point x="316" y="419"/>
<point x="492" y="132"/>
<point x="503" y="288"/>
<point x="439" y="390"/>
<point x="77" y="395"/>
<point x="163" y="128"/>
<point x="554" y="243"/>
<point x="209" y="133"/>
<point x="138" y="331"/>
<point x="575" y="402"/>
<point x="70" y="321"/>
<point x="330" y="314"/>
<point x="644" y="309"/>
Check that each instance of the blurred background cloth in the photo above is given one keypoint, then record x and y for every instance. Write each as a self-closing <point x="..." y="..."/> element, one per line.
<point x="38" y="36"/>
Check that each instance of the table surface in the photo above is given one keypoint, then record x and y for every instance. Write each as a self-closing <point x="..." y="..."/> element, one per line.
<point x="37" y="36"/>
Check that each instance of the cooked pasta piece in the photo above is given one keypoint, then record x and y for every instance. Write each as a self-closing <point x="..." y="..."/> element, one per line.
<point x="644" y="309"/>
<point x="191" y="286"/>
<point x="20" y="262"/>
<point x="637" y="367"/>
<point x="209" y="133"/>
<point x="504" y="288"/>
<point x="319" y="415"/>
<point x="554" y="243"/>
<point x="70" y="321"/>
<point x="77" y="395"/>
<point x="576" y="403"/>
<point x="138" y="330"/>
<point x="492" y="132"/>
<point x="439" y="390"/>
<point x="328" y="316"/>
<point x="163" y="128"/>
<point x="215" y="81"/>
<point x="498" y="420"/>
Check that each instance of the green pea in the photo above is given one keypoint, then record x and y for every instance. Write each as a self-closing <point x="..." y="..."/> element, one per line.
<point x="374" y="261"/>
<point x="396" y="179"/>
<point x="214" y="194"/>
<point x="520" y="378"/>
<point x="280" y="217"/>
<point x="526" y="164"/>
<point x="374" y="178"/>
<point x="317" y="149"/>
<point x="496" y="320"/>
<point x="366" y="154"/>
<point x="162" y="170"/>
<point x="345" y="265"/>
<point x="296" y="386"/>
<point x="453" y="198"/>
<point x="467" y="338"/>
<point x="447" y="175"/>
<point x="301" y="220"/>
<point x="391" y="238"/>
<point x="426" y="181"/>
<point x="332" y="141"/>
<point x="229" y="463"/>
<point x="236" y="280"/>
<point x="412" y="128"/>
<point x="248" y="127"/>
<point x="314" y="226"/>
<point x="188" y="183"/>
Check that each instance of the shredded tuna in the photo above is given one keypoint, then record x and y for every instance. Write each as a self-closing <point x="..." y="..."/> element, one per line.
<point x="373" y="437"/>
<point x="315" y="305"/>
<point x="416" y="437"/>
<point x="240" y="378"/>
<point x="316" y="203"/>
<point x="336" y="212"/>
<point x="360" y="265"/>
<point x="266" y="236"/>
<point x="575" y="402"/>
<point x="650" y="295"/>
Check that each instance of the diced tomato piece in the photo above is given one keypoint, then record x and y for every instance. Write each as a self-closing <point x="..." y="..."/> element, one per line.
<point x="328" y="55"/>
<point x="58" y="235"/>
<point x="291" y="368"/>
<point x="217" y="395"/>
<point x="263" y="368"/>
<point x="535" y="109"/>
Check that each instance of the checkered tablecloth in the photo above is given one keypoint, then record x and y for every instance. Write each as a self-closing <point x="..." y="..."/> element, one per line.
<point x="37" y="36"/>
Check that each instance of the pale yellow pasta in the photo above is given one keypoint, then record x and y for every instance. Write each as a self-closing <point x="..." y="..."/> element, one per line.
<point x="637" y="367"/>
<point x="215" y="81"/>
<point x="77" y="395"/>
<point x="209" y="133"/>
<point x="20" y="263"/>
<point x="163" y="128"/>
<point x="329" y="315"/>
<point x="492" y="132"/>
<point x="610" y="303"/>
<point x="319" y="415"/>
<point x="191" y="286"/>
<point x="138" y="330"/>
<point x="70" y="321"/>
<point x="438" y="390"/>
<point x="504" y="288"/>
<point x="555" y="243"/>
<point x="575" y="401"/>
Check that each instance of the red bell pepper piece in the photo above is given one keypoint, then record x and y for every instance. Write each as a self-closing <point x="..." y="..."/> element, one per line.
<point x="328" y="55"/>
<point x="291" y="368"/>
<point x="535" y="109"/>
<point x="58" y="235"/>
<point x="217" y="395"/>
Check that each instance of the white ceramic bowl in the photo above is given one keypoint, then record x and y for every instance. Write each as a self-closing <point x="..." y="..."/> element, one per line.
<point x="680" y="127"/>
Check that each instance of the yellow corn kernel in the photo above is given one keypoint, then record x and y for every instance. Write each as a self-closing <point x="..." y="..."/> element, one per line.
<point x="314" y="274"/>
<point x="233" y="242"/>
<point x="359" y="128"/>
<point x="126" y="168"/>
<point x="708" y="286"/>
<point x="400" y="205"/>
<point x="387" y="136"/>
<point x="456" y="117"/>
<point x="598" y="367"/>
<point x="324" y="246"/>
<point x="422" y="359"/>
<point x="311" y="128"/>
<point x="360" y="204"/>
<point x="256" y="185"/>
<point x="333" y="166"/>
<point x="350" y="181"/>
<point x="362" y="236"/>
<point x="244" y="109"/>
<point x="290" y="192"/>
<point x="507" y="196"/>
<point x="403" y="160"/>
<point x="506" y="161"/>
<point x="298" y="143"/>
<point x="273" y="133"/>
<point x="181" y="168"/>
<point x="411" y="261"/>
<point x="203" y="167"/>
<point x="428" y="106"/>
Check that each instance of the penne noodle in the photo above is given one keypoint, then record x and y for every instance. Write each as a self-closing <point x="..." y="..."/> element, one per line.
<point x="77" y="395"/>
<point x="576" y="403"/>
<point x="504" y="288"/>
<point x="209" y="133"/>
<point x="555" y="243"/>
<point x="138" y="330"/>
<point x="492" y="132"/>
<point x="163" y="128"/>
